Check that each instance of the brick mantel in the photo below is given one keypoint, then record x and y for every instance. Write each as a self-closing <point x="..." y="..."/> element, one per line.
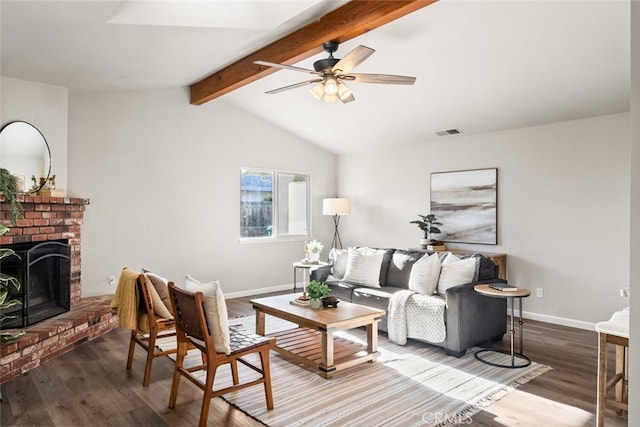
<point x="48" y="218"/>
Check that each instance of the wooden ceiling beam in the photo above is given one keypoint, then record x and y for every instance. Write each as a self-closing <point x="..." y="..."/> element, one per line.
<point x="351" y="20"/>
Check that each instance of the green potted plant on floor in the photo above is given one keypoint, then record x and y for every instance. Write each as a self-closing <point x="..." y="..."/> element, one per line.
<point x="317" y="290"/>
<point x="428" y="224"/>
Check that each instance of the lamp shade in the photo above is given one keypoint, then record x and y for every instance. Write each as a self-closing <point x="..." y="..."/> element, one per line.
<point x="336" y="206"/>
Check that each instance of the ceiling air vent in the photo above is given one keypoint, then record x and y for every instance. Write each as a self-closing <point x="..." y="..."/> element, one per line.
<point x="448" y="132"/>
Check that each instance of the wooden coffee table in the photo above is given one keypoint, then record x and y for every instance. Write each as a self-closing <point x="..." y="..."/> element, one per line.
<point x="312" y="342"/>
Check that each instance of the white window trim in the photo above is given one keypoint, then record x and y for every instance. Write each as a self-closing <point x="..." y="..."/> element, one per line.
<point x="276" y="237"/>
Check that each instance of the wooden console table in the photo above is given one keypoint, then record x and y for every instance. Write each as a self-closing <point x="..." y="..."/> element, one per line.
<point x="498" y="259"/>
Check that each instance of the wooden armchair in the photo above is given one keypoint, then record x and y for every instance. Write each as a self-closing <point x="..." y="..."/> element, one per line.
<point x="158" y="328"/>
<point x="193" y="327"/>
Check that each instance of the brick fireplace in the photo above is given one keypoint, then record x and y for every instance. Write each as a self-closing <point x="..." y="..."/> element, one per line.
<point x="53" y="219"/>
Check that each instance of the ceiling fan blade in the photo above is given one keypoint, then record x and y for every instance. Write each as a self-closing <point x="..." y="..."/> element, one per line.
<point x="293" y="86"/>
<point x="285" y="67"/>
<point x="353" y="59"/>
<point x="344" y="93"/>
<point x="380" y="78"/>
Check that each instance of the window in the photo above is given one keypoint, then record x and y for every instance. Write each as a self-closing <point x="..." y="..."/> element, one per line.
<point x="273" y="204"/>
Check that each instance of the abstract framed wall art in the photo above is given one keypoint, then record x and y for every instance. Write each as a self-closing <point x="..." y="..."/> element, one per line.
<point x="466" y="203"/>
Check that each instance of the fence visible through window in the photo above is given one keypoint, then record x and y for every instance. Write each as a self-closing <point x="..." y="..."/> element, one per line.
<point x="256" y="219"/>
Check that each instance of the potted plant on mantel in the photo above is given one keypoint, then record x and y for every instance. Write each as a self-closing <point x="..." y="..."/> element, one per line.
<point x="9" y="188"/>
<point x="428" y="223"/>
<point x="316" y="291"/>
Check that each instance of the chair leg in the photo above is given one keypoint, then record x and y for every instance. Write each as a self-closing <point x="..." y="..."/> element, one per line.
<point x="602" y="379"/>
<point x="176" y="375"/>
<point x="150" y="355"/>
<point x="234" y="371"/>
<point x="620" y="369"/>
<point x="132" y="347"/>
<point x="206" y="399"/>
<point x="266" y="372"/>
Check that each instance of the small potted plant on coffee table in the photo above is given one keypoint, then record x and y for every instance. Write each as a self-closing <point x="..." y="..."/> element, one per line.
<point x="317" y="290"/>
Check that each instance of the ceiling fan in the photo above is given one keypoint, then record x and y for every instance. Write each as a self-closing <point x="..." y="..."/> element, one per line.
<point x="333" y="72"/>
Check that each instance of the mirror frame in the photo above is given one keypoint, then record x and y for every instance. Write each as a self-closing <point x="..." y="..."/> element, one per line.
<point x="32" y="190"/>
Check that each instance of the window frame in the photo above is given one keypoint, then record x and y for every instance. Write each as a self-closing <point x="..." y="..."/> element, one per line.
<point x="276" y="236"/>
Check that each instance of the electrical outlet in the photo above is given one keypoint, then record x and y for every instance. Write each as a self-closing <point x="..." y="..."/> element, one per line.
<point x="112" y="280"/>
<point x="539" y="292"/>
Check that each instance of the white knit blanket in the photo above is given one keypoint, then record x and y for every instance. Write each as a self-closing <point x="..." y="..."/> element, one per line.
<point x="416" y="316"/>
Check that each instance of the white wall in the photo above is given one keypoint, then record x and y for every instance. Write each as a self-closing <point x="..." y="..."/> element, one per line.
<point x="163" y="177"/>
<point x="563" y="207"/>
<point x="44" y="106"/>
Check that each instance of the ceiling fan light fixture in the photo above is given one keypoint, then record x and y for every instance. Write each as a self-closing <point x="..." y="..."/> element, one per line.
<point x="318" y="91"/>
<point x="344" y="93"/>
<point x="332" y="72"/>
<point x="330" y="86"/>
<point x="329" y="99"/>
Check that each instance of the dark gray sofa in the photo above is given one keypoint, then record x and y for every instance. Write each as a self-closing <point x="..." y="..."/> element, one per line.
<point x="471" y="319"/>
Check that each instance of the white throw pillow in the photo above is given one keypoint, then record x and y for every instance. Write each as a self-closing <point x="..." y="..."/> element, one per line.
<point x="363" y="267"/>
<point x="340" y="258"/>
<point x="455" y="271"/>
<point x="424" y="274"/>
<point x="216" y="311"/>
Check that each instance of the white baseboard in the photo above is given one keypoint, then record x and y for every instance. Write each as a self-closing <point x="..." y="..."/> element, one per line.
<point x="259" y="291"/>
<point x="559" y="320"/>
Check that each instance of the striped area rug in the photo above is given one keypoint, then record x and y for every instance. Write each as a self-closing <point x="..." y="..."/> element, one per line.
<point x="412" y="385"/>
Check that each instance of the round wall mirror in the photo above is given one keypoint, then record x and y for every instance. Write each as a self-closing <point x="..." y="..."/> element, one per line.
<point x="25" y="153"/>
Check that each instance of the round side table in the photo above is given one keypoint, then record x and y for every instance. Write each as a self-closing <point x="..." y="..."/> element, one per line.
<point x="518" y="293"/>
<point x="306" y="267"/>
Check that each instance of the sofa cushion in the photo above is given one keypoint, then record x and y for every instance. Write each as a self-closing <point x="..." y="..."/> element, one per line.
<point x="400" y="266"/>
<point x="386" y="262"/>
<point x="342" y="290"/>
<point x="424" y="274"/>
<point x="364" y="266"/>
<point x="338" y="259"/>
<point x="456" y="271"/>
<point x="374" y="297"/>
<point x="487" y="269"/>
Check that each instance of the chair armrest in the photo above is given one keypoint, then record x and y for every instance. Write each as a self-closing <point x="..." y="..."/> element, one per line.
<point x="473" y="318"/>
<point x="469" y="286"/>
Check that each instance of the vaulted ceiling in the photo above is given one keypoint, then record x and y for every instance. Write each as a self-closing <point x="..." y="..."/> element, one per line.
<point x="480" y="65"/>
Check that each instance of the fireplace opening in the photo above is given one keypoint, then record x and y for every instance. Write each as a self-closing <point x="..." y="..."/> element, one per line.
<point x="44" y="272"/>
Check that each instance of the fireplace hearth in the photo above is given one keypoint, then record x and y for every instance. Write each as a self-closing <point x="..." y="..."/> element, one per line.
<point x="49" y="235"/>
<point x="44" y="272"/>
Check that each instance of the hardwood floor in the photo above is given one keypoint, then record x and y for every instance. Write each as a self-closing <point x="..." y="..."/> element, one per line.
<point x="90" y="386"/>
